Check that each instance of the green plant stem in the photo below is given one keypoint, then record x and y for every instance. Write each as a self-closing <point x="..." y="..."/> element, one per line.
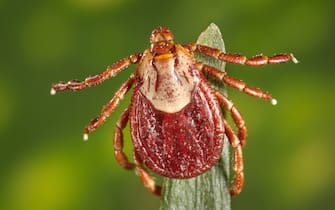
<point x="211" y="189"/>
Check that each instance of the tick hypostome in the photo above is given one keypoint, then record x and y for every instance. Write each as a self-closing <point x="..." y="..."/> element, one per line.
<point x="176" y="123"/>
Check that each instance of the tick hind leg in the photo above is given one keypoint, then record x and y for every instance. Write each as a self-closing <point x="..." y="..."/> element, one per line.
<point x="148" y="180"/>
<point x="118" y="141"/>
<point x="237" y="117"/>
<point x="236" y="142"/>
<point x="122" y="159"/>
<point x="238" y="182"/>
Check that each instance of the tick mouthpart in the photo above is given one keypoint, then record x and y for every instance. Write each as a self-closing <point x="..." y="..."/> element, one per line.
<point x="161" y="34"/>
<point x="161" y="40"/>
<point x="162" y="47"/>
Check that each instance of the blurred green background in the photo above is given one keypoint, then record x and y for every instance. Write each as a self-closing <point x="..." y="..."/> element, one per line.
<point x="45" y="165"/>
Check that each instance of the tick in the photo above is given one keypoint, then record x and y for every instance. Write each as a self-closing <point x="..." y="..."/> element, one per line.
<point x="176" y="124"/>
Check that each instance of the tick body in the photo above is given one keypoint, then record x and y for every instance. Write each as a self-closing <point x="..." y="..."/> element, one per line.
<point x="175" y="118"/>
<point x="176" y="123"/>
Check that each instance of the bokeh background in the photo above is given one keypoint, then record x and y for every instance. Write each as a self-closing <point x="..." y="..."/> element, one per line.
<point x="45" y="165"/>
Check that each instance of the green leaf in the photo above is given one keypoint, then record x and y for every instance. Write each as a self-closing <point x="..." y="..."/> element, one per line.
<point x="211" y="189"/>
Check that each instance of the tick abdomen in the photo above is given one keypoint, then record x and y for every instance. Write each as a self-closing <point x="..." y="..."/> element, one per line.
<point x="183" y="144"/>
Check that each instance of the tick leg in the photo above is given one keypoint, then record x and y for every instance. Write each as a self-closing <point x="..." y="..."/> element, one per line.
<point x="111" y="71"/>
<point x="122" y="159"/>
<point x="148" y="180"/>
<point x="238" y="182"/>
<point x="145" y="177"/>
<point x="236" y="115"/>
<point x="241" y="59"/>
<point x="118" y="141"/>
<point x="236" y="83"/>
<point x="109" y="108"/>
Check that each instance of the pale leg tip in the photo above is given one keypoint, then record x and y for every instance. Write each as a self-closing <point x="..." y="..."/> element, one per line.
<point x="52" y="91"/>
<point x="294" y="59"/>
<point x="274" y="101"/>
<point x="85" y="137"/>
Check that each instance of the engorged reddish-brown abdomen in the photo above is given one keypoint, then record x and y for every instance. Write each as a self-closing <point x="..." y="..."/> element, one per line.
<point x="182" y="144"/>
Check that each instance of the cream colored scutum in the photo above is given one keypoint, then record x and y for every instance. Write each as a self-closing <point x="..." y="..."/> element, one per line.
<point x="168" y="87"/>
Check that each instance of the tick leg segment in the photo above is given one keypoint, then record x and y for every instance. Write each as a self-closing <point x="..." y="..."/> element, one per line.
<point x="238" y="182"/>
<point x="111" y="71"/>
<point x="118" y="141"/>
<point x="145" y="177"/>
<point x="122" y="159"/>
<point x="148" y="180"/>
<point x="241" y="59"/>
<point x="109" y="108"/>
<point x="236" y="83"/>
<point x="236" y="115"/>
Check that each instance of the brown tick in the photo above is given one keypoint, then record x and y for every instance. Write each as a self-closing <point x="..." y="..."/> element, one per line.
<point x="176" y="123"/>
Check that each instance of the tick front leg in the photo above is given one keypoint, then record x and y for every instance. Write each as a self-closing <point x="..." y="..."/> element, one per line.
<point x="236" y="115"/>
<point x="236" y="83"/>
<point x="109" y="108"/>
<point x="111" y="71"/>
<point x="241" y="59"/>
<point x="238" y="182"/>
<point x="118" y="141"/>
